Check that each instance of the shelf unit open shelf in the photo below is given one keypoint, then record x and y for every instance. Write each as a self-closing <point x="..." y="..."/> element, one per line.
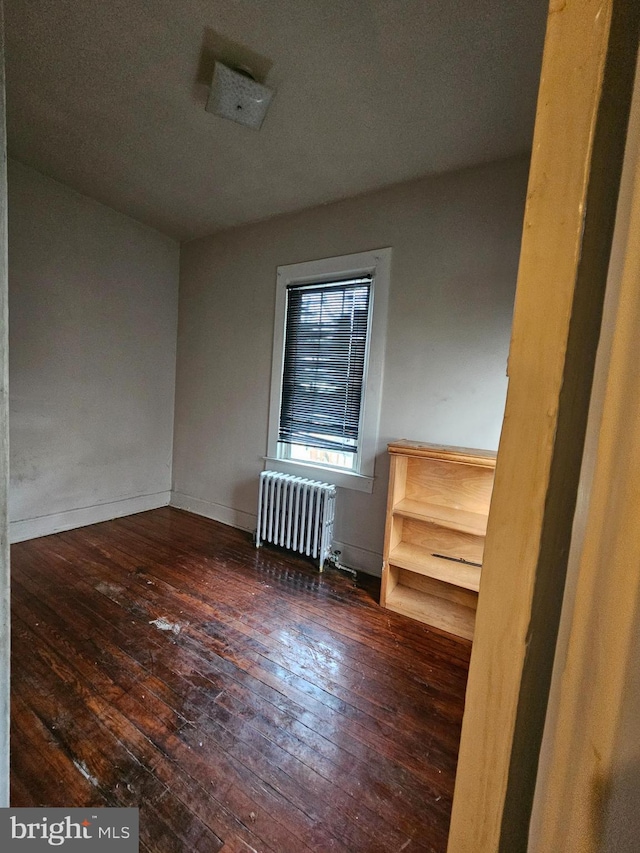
<point x="455" y="519"/>
<point x="414" y="558"/>
<point x="434" y="540"/>
<point x="446" y="615"/>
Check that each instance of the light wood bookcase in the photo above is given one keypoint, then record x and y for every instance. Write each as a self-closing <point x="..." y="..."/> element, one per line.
<point x="438" y="507"/>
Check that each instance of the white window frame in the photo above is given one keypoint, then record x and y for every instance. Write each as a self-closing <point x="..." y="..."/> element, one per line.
<point x="376" y="263"/>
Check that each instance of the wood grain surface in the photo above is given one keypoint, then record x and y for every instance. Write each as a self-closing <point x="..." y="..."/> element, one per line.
<point x="242" y="701"/>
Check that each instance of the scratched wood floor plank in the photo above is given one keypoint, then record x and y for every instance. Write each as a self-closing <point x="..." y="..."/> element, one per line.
<point x="243" y="701"/>
<point x="245" y="741"/>
<point x="349" y="693"/>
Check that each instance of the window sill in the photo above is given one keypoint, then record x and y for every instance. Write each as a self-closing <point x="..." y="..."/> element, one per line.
<point x="333" y="476"/>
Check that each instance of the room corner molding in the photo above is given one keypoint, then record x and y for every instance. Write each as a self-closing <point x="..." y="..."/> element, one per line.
<point x="216" y="512"/>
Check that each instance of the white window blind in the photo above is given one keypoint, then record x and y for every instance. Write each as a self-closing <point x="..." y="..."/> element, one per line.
<point x="325" y="353"/>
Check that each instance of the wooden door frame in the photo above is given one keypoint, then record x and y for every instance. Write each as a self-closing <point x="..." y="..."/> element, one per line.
<point x="583" y="107"/>
<point x="597" y="652"/>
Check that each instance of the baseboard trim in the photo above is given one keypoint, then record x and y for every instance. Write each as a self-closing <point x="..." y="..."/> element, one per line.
<point x="32" y="528"/>
<point x="350" y="555"/>
<point x="360" y="559"/>
<point x="45" y="525"/>
<point x="216" y="512"/>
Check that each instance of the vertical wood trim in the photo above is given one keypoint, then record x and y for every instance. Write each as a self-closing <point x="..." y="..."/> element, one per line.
<point x="603" y="611"/>
<point x="4" y="448"/>
<point x="397" y="475"/>
<point x="585" y="89"/>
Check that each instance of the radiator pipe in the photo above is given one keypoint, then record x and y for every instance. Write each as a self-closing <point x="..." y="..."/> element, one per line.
<point x="334" y="559"/>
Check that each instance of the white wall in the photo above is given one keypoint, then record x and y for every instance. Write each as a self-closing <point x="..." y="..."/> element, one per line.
<point x="5" y="582"/>
<point x="455" y="241"/>
<point x="93" y="313"/>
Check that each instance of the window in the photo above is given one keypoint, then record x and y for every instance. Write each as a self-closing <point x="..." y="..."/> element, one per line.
<point x="325" y="348"/>
<point x="327" y="367"/>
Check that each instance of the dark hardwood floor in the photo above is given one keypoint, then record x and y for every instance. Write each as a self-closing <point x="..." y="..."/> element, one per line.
<point x="241" y="700"/>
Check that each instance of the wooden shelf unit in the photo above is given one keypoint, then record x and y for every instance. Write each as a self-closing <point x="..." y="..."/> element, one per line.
<point x="434" y="539"/>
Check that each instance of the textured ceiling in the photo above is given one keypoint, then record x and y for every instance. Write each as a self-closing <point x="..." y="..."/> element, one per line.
<point x="108" y="97"/>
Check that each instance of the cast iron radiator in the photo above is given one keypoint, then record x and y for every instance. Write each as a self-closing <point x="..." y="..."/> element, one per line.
<point x="296" y="514"/>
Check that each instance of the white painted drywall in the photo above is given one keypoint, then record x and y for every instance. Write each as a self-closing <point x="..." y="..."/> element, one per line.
<point x="5" y="583"/>
<point x="455" y="241"/>
<point x="92" y="316"/>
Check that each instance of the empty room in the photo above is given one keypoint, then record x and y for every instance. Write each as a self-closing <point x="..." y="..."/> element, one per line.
<point x="316" y="322"/>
